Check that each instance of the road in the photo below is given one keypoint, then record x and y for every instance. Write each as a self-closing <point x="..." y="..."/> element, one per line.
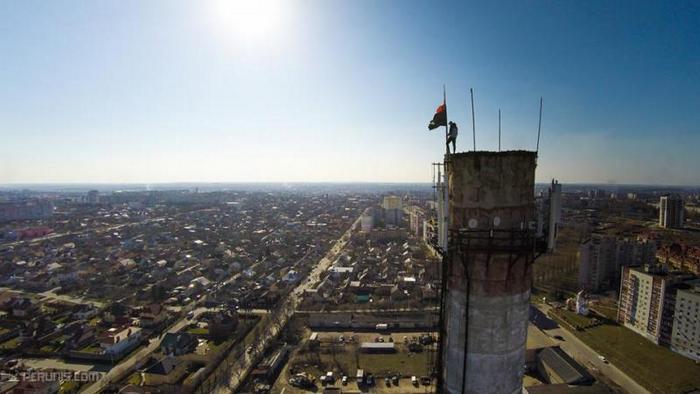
<point x="375" y="310"/>
<point x="583" y="353"/>
<point x="119" y="371"/>
<point x="51" y="294"/>
<point x="282" y="314"/>
<point x="84" y="231"/>
<point x="103" y="229"/>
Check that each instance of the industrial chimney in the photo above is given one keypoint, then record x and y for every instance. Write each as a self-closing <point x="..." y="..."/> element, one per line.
<point x="488" y="271"/>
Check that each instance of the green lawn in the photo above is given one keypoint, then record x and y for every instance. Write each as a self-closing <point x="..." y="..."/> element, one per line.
<point x="198" y="331"/>
<point x="575" y="319"/>
<point x="655" y="367"/>
<point x="608" y="311"/>
<point x="134" y="379"/>
<point x="93" y="348"/>
<point x="69" y="387"/>
<point x="10" y="344"/>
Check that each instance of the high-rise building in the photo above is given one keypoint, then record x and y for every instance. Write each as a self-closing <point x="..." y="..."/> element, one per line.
<point x="597" y="260"/>
<point x="393" y="210"/>
<point x="647" y="301"/>
<point x="367" y="221"/>
<point x="671" y="211"/>
<point x="92" y="197"/>
<point x="554" y="214"/>
<point x="601" y="258"/>
<point x="685" y="336"/>
<point x="25" y="210"/>
<point x="416" y="220"/>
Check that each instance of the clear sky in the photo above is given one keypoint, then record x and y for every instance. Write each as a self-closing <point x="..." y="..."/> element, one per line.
<point x="168" y="91"/>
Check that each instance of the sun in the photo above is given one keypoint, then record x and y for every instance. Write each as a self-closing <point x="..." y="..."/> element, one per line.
<point x="248" y="21"/>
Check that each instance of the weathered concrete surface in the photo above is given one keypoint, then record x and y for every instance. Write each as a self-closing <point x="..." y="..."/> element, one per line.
<point x="488" y="191"/>
<point x="487" y="185"/>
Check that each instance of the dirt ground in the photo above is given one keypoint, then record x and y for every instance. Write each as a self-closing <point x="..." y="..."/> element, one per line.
<point x="344" y="358"/>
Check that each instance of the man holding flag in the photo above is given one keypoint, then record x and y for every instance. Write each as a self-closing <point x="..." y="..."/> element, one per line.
<point x="440" y="119"/>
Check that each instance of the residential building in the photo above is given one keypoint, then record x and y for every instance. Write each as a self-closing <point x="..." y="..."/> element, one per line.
<point x="597" y="257"/>
<point x="176" y="344"/>
<point x="367" y="221"/>
<point x="222" y="324"/>
<point x="393" y="210"/>
<point x="153" y="315"/>
<point x="117" y="341"/>
<point x="671" y="211"/>
<point x="647" y="301"/>
<point x="685" y="336"/>
<point x="416" y="221"/>
<point x="92" y="197"/>
<point x="601" y="258"/>
<point x="554" y="214"/>
<point x="25" y="210"/>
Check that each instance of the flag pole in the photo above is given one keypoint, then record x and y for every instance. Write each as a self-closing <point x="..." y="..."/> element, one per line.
<point x="444" y="102"/>
<point x="499" y="129"/>
<point x="539" y="127"/>
<point x="471" y="92"/>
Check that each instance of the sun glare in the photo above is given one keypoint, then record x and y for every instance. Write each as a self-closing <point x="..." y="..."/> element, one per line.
<point x="247" y="21"/>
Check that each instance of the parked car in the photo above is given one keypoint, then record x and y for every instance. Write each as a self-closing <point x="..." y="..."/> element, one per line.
<point x="387" y="382"/>
<point x="344" y="380"/>
<point x="414" y="380"/>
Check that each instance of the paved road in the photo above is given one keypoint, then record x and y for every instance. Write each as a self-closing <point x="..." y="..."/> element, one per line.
<point x="584" y="354"/>
<point x="121" y="370"/>
<point x="99" y="229"/>
<point x="282" y="315"/>
<point x="84" y="231"/>
<point x="51" y="294"/>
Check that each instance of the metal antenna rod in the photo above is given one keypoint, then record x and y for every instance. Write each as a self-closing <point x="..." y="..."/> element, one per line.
<point x="471" y="92"/>
<point x="499" y="129"/>
<point x="539" y="127"/>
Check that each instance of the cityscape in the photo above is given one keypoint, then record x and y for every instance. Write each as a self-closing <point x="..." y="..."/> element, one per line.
<point x="139" y="255"/>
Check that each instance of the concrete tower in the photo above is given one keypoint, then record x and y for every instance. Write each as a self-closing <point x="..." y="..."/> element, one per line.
<point x="488" y="271"/>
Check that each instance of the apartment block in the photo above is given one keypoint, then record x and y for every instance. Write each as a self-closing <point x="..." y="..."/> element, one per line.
<point x="601" y="258"/>
<point x="685" y="336"/>
<point x="647" y="301"/>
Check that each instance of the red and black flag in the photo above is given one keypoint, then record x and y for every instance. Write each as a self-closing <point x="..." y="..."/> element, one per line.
<point x="440" y="117"/>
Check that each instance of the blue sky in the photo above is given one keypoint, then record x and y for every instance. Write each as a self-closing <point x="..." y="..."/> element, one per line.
<point x="168" y="91"/>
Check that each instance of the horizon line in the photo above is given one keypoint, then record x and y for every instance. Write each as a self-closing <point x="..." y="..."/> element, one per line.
<point x="575" y="183"/>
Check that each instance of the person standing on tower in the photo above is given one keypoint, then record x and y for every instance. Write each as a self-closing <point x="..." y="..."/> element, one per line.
<point x="452" y="137"/>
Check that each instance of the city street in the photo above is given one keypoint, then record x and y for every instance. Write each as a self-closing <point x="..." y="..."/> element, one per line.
<point x="120" y="370"/>
<point x="582" y="352"/>
<point x="281" y="315"/>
